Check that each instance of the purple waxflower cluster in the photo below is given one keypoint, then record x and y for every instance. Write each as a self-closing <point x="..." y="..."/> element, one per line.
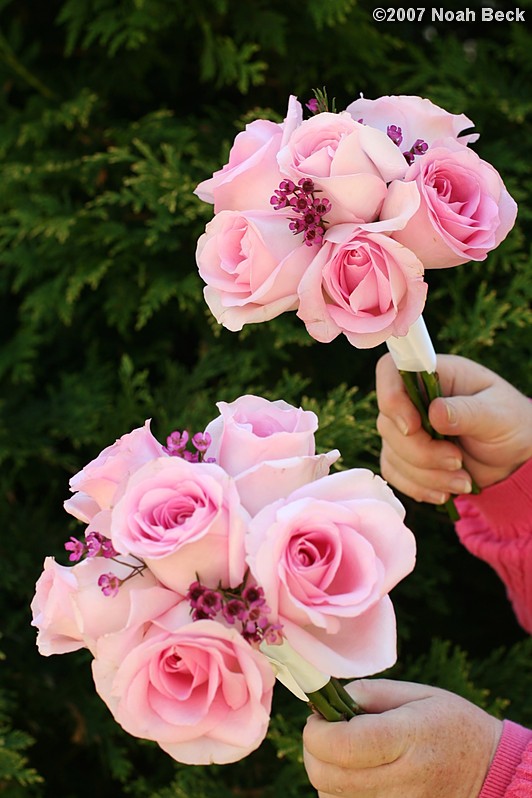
<point x="94" y="545"/>
<point x="109" y="584"/>
<point x="176" y="446"/>
<point x="310" y="209"/>
<point x="245" y="605"/>
<point x="97" y="545"/>
<point x="419" y="147"/>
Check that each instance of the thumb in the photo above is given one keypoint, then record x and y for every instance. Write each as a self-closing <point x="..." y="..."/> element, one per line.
<point x="380" y="695"/>
<point x="462" y="415"/>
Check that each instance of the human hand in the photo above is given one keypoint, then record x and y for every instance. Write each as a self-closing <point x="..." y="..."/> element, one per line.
<point x="415" y="741"/>
<point x="490" y="419"/>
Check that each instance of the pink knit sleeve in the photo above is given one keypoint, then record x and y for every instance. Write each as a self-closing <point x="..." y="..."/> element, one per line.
<point x="496" y="526"/>
<point x="510" y="774"/>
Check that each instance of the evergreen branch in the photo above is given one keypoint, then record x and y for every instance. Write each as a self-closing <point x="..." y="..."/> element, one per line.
<point x="9" y="58"/>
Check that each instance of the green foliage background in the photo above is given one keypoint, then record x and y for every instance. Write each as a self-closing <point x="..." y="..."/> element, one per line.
<point x="111" y="112"/>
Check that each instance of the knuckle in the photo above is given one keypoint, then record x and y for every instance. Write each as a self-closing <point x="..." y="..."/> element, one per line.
<point x="347" y="754"/>
<point x="385" y="467"/>
<point x="382" y="424"/>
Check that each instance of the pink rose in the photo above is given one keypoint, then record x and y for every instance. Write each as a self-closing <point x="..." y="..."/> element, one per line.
<point x="274" y="479"/>
<point x="198" y="689"/>
<point x="464" y="208"/>
<point x="363" y="285"/>
<point x="327" y="557"/>
<point x="52" y="610"/>
<point x="268" y="447"/>
<point x="348" y="162"/>
<point x="417" y="118"/>
<point x="252" y="264"/>
<point x="250" y="177"/>
<point x="253" y="429"/>
<point x="71" y="612"/>
<point x="182" y="519"/>
<point x="96" y="484"/>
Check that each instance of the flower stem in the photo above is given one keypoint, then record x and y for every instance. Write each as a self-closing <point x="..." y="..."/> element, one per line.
<point x="416" y="388"/>
<point x="422" y="387"/>
<point x="318" y="702"/>
<point x="433" y="389"/>
<point x="334" y="703"/>
<point x="411" y="383"/>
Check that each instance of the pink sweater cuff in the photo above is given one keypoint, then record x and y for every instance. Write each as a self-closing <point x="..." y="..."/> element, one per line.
<point x="505" y="776"/>
<point x="505" y="504"/>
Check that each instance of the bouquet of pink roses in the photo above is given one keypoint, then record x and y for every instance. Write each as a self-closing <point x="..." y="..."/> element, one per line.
<point x="337" y="216"/>
<point x="212" y="564"/>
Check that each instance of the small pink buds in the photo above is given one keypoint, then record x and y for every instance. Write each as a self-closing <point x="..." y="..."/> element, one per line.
<point x="309" y="208"/>
<point x="419" y="147"/>
<point x="76" y="548"/>
<point x="176" y="443"/>
<point x="94" y="545"/>
<point x="395" y="134"/>
<point x="109" y="584"/>
<point x="176" y="446"/>
<point x="97" y="545"/>
<point x="245" y="605"/>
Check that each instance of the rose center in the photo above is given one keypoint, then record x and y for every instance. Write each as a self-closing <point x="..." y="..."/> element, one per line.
<point x="176" y="512"/>
<point x="262" y="426"/>
<point x="310" y="551"/>
<point x="172" y="661"/>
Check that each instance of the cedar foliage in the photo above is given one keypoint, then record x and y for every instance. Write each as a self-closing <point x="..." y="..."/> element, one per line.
<point x="112" y="111"/>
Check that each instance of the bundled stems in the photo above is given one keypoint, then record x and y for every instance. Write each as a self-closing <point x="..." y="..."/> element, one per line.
<point x="422" y="387"/>
<point x="333" y="702"/>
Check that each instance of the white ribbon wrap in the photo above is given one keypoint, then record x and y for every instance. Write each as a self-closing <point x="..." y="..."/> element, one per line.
<point x="293" y="671"/>
<point x="413" y="351"/>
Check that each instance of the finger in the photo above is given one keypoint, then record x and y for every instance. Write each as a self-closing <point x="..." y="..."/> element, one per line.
<point x="475" y="416"/>
<point x="366" y="741"/>
<point x="424" y="485"/>
<point x="381" y="695"/>
<point x="392" y="398"/>
<point x="332" y="781"/>
<point x="460" y="376"/>
<point x="327" y="779"/>
<point x="419" y="449"/>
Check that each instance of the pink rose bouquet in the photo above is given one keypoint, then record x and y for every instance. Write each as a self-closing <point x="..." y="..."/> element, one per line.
<point x="213" y="564"/>
<point x="398" y="167"/>
<point x="371" y="197"/>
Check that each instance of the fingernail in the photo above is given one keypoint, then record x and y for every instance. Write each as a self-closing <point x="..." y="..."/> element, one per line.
<point x="433" y="497"/>
<point x="451" y="463"/>
<point x="451" y="413"/>
<point x="403" y="426"/>
<point x="460" y="485"/>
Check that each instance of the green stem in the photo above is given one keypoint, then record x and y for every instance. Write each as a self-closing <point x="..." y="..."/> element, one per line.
<point x="347" y="700"/>
<point x="318" y="701"/>
<point x="422" y="387"/>
<point x="452" y="512"/>
<point x="334" y="703"/>
<point x="411" y="383"/>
